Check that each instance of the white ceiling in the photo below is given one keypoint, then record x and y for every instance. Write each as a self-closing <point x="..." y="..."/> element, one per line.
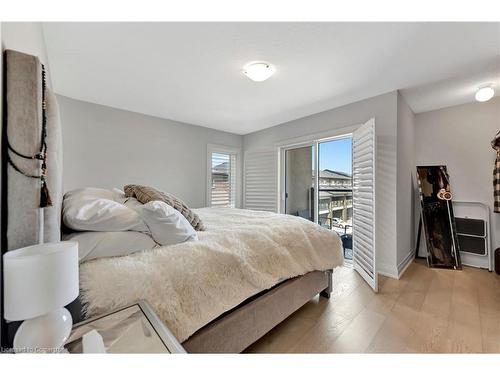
<point x="191" y="72"/>
<point x="452" y="91"/>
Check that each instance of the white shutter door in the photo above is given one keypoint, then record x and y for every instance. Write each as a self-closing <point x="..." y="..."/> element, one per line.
<point x="260" y="181"/>
<point x="363" y="244"/>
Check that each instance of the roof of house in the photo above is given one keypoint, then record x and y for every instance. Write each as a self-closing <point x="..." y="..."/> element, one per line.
<point x="328" y="173"/>
<point x="221" y="168"/>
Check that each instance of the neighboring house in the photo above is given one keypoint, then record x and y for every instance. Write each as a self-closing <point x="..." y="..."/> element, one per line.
<point x="222" y="181"/>
<point x="335" y="198"/>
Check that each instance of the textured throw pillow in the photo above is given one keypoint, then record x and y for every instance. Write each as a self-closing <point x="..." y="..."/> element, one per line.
<point x="145" y="194"/>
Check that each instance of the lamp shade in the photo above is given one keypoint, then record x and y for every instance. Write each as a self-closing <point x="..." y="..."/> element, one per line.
<point x="39" y="279"/>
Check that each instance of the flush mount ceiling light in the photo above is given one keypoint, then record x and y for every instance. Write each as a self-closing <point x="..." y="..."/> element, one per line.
<point x="483" y="94"/>
<point x="259" y="71"/>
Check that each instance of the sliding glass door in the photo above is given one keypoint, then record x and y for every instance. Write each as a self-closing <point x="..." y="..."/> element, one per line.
<point x="331" y="181"/>
<point x="299" y="181"/>
<point x="335" y="189"/>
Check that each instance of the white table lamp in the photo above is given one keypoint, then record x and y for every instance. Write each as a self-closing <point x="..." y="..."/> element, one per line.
<point x="39" y="281"/>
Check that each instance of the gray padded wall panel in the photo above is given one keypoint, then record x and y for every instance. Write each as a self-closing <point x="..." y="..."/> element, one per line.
<point x="24" y="124"/>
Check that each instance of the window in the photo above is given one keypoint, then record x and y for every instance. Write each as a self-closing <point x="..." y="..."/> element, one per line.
<point x="223" y="171"/>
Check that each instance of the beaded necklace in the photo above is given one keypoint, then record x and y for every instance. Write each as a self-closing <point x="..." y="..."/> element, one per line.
<point x="45" y="199"/>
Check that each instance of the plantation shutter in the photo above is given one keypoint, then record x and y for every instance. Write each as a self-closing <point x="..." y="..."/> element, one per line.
<point x="223" y="180"/>
<point x="363" y="244"/>
<point x="260" y="181"/>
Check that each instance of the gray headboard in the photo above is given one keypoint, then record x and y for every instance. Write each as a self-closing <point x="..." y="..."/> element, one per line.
<point x="22" y="135"/>
<point x="24" y="117"/>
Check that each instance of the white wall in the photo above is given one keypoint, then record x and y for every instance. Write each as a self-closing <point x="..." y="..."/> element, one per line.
<point x="384" y="109"/>
<point x="405" y="184"/>
<point x="108" y="147"/>
<point x="460" y="137"/>
<point x="26" y="37"/>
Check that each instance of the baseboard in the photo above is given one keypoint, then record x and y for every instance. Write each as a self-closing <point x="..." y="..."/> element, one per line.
<point x="396" y="272"/>
<point x="405" y="263"/>
<point x="388" y="270"/>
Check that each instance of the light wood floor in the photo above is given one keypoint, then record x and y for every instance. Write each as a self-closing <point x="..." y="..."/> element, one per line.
<point x="426" y="311"/>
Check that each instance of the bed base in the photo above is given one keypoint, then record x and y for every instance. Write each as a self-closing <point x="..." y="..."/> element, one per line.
<point x="236" y="330"/>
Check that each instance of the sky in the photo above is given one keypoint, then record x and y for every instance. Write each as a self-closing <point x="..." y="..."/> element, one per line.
<point x="336" y="155"/>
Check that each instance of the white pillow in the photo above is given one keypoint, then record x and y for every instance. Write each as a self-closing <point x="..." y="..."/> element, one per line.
<point x="167" y="225"/>
<point x="92" y="245"/>
<point x="134" y="204"/>
<point x="102" y="210"/>
<point x="112" y="194"/>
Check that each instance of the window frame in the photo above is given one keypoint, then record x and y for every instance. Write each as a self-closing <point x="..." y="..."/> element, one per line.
<point x="229" y="150"/>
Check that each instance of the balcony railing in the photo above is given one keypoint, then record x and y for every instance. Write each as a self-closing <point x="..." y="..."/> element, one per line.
<point x="335" y="190"/>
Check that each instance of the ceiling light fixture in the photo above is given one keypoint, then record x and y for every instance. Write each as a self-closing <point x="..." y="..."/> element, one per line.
<point x="259" y="71"/>
<point x="485" y="93"/>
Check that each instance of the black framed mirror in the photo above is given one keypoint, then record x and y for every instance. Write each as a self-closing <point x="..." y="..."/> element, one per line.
<point x="437" y="217"/>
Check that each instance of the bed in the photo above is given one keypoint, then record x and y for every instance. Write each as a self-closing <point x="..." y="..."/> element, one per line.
<point x="249" y="271"/>
<point x="241" y="254"/>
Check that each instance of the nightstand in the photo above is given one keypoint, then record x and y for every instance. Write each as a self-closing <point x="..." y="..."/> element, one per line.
<point x="131" y="329"/>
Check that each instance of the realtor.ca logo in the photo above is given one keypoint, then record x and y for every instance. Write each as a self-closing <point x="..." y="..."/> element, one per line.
<point x="33" y="350"/>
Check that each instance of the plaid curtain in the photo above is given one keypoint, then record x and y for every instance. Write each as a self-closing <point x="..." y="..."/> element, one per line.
<point x="495" y="143"/>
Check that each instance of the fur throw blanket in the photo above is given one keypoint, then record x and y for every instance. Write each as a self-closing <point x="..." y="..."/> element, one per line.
<point x="188" y="285"/>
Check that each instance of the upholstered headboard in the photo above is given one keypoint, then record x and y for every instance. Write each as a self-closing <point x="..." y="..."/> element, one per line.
<point x="24" y="115"/>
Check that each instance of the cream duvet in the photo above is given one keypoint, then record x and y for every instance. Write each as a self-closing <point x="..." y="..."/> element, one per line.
<point x="188" y="285"/>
